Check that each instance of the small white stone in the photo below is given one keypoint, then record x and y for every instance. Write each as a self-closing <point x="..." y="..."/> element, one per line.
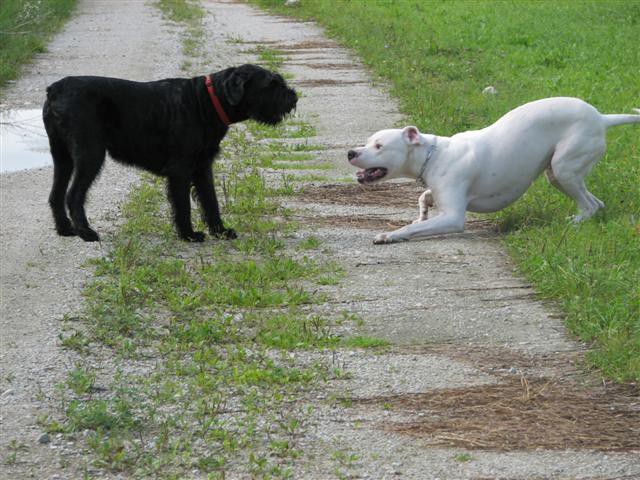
<point x="490" y="90"/>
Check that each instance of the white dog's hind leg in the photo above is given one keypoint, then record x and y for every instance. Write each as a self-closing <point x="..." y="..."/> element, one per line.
<point x="424" y="202"/>
<point x="553" y="181"/>
<point x="567" y="175"/>
<point x="595" y="204"/>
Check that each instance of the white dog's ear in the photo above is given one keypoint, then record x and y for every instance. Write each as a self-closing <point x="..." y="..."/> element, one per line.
<point x="411" y="135"/>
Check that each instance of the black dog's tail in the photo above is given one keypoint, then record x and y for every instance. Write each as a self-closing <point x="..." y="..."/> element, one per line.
<point x="47" y="111"/>
<point x="53" y="90"/>
<point x="49" y="114"/>
<point x="53" y="119"/>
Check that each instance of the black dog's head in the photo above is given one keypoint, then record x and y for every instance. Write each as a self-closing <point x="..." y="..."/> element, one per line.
<point x="256" y="93"/>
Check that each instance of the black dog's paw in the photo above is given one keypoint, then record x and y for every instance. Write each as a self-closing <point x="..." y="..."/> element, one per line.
<point x="193" y="237"/>
<point x="88" y="235"/>
<point x="66" y="231"/>
<point x="225" y="233"/>
<point x="229" y="234"/>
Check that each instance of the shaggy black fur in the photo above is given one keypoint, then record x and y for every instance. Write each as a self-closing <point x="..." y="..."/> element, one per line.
<point x="168" y="127"/>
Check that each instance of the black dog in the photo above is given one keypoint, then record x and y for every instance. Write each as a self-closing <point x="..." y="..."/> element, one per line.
<point x="170" y="127"/>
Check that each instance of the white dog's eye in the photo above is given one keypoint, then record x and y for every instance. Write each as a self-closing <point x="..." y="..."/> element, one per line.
<point x="378" y="146"/>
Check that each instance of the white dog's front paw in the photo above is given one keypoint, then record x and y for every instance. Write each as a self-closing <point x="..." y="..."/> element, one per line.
<point x="392" y="237"/>
<point x="382" y="238"/>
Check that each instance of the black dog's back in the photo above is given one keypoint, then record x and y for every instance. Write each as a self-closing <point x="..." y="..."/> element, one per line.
<point x="147" y="124"/>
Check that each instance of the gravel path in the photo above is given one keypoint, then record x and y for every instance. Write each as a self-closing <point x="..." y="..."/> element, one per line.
<point x="459" y="320"/>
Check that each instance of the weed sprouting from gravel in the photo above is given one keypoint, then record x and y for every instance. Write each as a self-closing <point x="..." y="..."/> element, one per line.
<point x="190" y="14"/>
<point x="463" y="457"/>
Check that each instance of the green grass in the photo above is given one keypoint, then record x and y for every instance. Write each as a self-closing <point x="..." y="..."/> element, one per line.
<point x="309" y="243"/>
<point x="182" y="11"/>
<point x="290" y="129"/>
<point x="81" y="380"/>
<point x="25" y="27"/>
<point x="463" y="457"/>
<point x="439" y="56"/>
<point x="190" y="15"/>
<point x="270" y="58"/>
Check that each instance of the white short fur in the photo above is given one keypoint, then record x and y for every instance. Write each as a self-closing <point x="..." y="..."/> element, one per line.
<point x="486" y="170"/>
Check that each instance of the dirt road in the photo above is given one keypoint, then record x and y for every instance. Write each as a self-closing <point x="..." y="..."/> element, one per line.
<point x="464" y="328"/>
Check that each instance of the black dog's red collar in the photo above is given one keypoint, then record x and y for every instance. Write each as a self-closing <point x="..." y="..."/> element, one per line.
<point x="216" y="102"/>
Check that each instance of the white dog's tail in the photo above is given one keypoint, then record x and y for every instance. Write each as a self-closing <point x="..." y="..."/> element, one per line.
<point x="612" y="120"/>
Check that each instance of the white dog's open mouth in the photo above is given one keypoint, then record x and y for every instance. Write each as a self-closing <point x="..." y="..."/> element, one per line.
<point x="371" y="174"/>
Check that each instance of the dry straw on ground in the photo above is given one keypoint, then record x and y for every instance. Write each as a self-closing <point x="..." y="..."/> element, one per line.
<point x="526" y="410"/>
<point x="520" y="414"/>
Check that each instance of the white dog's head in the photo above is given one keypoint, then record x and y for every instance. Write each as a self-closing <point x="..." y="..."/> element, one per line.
<point x="385" y="154"/>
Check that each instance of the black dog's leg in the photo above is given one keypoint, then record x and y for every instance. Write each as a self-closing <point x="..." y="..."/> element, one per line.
<point x="178" y="187"/>
<point x="203" y="181"/>
<point x="62" y="170"/>
<point x="87" y="162"/>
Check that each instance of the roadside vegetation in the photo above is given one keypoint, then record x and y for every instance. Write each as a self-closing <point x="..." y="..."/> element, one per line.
<point x="25" y="27"/>
<point x="439" y="56"/>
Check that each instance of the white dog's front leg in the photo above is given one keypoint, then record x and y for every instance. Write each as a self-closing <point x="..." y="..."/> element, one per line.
<point x="424" y="202"/>
<point x="438" y="225"/>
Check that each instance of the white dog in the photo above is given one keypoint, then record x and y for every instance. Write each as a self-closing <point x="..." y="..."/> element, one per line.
<point x="486" y="170"/>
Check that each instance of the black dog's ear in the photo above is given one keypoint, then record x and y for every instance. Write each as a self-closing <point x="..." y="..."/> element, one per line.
<point x="234" y="86"/>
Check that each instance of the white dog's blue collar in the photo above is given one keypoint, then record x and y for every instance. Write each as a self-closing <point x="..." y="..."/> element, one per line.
<point x="430" y="149"/>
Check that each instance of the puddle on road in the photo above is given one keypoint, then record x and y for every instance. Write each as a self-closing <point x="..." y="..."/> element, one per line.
<point x="23" y="140"/>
